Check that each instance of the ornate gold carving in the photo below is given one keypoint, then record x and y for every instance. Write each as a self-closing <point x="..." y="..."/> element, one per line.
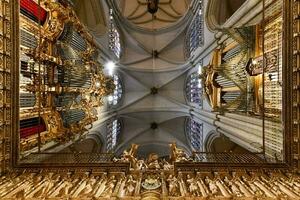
<point x="294" y="23"/>
<point x="211" y="90"/>
<point x="85" y="185"/>
<point x="177" y="154"/>
<point x="50" y="75"/>
<point x="5" y="82"/>
<point x="151" y="182"/>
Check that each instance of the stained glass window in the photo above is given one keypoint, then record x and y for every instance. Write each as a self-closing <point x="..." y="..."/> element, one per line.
<point x="115" y="98"/>
<point x="114" y="37"/>
<point x="113" y="131"/>
<point x="194" y="131"/>
<point x="194" y="89"/>
<point x="195" y="36"/>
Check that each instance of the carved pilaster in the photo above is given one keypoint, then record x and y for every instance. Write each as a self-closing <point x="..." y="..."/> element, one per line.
<point x="7" y="55"/>
<point x="295" y="78"/>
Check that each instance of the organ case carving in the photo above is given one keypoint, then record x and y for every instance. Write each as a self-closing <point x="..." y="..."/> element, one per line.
<point x="61" y="81"/>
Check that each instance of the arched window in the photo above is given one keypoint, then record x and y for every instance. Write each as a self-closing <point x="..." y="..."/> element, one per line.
<point x="195" y="35"/>
<point x="194" y="131"/>
<point x="194" y="89"/>
<point x="113" y="131"/>
<point x="115" y="98"/>
<point x="114" y="37"/>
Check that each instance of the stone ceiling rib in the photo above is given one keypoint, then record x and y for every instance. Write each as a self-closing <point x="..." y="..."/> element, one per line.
<point x="124" y="73"/>
<point x="137" y="61"/>
<point x="155" y="79"/>
<point x="183" y="72"/>
<point x="173" y="100"/>
<point x="158" y="117"/>
<point x="141" y="72"/>
<point x="135" y="11"/>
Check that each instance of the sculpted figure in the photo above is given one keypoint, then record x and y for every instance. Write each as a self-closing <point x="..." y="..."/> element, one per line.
<point x="234" y="189"/>
<point x="141" y="165"/>
<point x="173" y="186"/>
<point x="153" y="161"/>
<point x="253" y="188"/>
<point x="86" y="192"/>
<point x="177" y="154"/>
<point x="109" y="187"/>
<point x="276" y="190"/>
<point x="167" y="165"/>
<point x="130" y="186"/>
<point x="212" y="187"/>
<point x="193" y="187"/>
<point x="46" y="186"/>
<point x="129" y="156"/>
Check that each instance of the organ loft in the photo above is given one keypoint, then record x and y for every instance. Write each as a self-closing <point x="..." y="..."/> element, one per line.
<point x="149" y="99"/>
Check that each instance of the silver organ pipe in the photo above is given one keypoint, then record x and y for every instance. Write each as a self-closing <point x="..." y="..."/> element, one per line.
<point x="72" y="116"/>
<point x="227" y="96"/>
<point x="231" y="54"/>
<point x="28" y="39"/>
<point x="72" y="38"/>
<point x="64" y="100"/>
<point x="234" y="80"/>
<point x="67" y="53"/>
<point x="71" y="44"/>
<point x="75" y="77"/>
<point x="234" y="62"/>
<point x="27" y="100"/>
<point x="223" y="82"/>
<point x="231" y="96"/>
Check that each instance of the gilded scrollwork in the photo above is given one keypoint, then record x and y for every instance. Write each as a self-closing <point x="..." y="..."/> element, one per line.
<point x="61" y="76"/>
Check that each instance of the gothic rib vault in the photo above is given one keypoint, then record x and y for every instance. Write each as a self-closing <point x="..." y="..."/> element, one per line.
<point x="141" y="71"/>
<point x="68" y="120"/>
<point x="154" y="56"/>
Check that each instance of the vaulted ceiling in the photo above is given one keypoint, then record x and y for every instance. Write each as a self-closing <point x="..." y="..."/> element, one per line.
<point x="141" y="71"/>
<point x="169" y="12"/>
<point x="141" y="108"/>
<point x="153" y="56"/>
